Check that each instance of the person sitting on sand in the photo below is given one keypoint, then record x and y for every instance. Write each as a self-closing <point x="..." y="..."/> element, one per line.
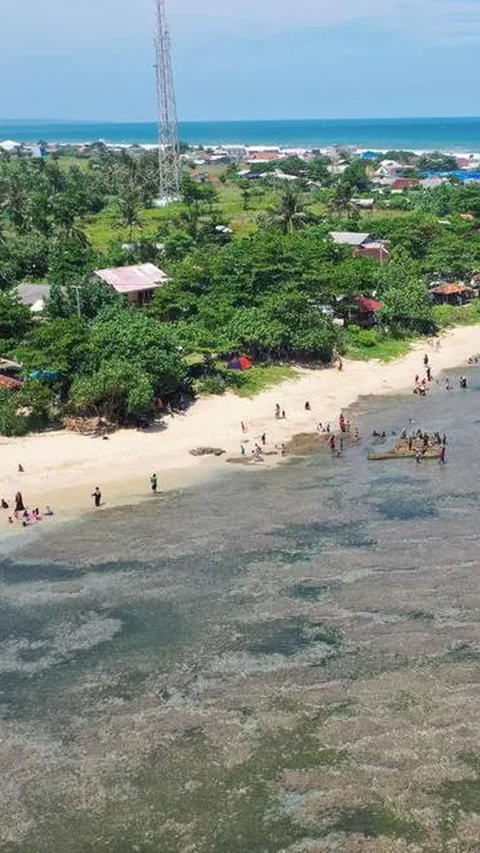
<point x="4" y="504"/>
<point x="307" y="406"/>
<point x="48" y="510"/>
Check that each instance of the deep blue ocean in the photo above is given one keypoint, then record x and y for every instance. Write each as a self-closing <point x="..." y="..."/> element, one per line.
<point x="459" y="134"/>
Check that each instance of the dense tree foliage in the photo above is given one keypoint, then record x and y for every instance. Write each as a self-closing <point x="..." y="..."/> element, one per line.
<point x="250" y="262"/>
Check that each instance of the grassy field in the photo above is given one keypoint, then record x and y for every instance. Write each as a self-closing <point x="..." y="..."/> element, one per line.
<point x="261" y="378"/>
<point x="386" y="350"/>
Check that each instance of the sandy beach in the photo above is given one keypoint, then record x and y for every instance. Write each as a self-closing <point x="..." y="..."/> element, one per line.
<point x="62" y="468"/>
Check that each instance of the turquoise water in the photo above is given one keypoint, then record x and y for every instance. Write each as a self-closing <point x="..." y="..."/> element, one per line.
<point x="461" y="134"/>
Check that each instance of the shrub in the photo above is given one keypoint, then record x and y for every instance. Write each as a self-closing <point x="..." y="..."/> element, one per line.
<point x="362" y="337"/>
<point x="11" y="423"/>
<point x="212" y="385"/>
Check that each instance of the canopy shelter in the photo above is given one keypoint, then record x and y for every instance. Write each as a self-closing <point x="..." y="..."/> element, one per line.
<point x="365" y="310"/>
<point x="452" y="294"/>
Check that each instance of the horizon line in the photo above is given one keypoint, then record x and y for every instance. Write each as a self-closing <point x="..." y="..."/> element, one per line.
<point x="5" y="120"/>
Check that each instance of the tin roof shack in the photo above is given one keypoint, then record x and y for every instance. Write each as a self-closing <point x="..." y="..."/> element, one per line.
<point x="138" y="283"/>
<point x="452" y="294"/>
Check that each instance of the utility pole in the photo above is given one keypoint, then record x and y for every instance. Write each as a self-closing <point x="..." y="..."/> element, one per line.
<point x="168" y="145"/>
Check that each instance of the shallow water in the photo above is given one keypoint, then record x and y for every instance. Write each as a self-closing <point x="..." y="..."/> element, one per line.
<point x="175" y="677"/>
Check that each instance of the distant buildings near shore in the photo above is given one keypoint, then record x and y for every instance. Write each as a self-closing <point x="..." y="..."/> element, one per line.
<point x="385" y="172"/>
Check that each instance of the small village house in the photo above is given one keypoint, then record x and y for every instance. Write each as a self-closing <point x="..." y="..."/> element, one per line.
<point x="363" y="245"/>
<point x="138" y="283"/>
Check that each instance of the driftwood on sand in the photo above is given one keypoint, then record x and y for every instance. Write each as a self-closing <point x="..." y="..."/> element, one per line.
<point x="89" y="426"/>
<point x="207" y="451"/>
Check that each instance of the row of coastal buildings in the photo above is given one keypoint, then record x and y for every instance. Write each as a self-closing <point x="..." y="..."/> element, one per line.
<point x="384" y="173"/>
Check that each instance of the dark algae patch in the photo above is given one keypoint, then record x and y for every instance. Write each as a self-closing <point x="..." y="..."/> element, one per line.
<point x="377" y="820"/>
<point x="286" y="637"/>
<point x="407" y="510"/>
<point x="309" y="591"/>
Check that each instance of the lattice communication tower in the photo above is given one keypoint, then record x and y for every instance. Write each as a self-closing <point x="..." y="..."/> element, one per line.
<point x="168" y="146"/>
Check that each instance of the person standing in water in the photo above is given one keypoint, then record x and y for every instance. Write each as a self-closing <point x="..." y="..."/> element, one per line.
<point x="97" y="496"/>
<point x="154" y="483"/>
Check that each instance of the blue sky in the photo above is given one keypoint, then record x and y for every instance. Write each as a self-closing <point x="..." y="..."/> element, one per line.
<point x="242" y="58"/>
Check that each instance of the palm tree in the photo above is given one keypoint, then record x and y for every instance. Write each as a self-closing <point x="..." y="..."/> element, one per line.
<point x="14" y="201"/>
<point x="341" y="202"/>
<point x="290" y="213"/>
<point x="129" y="213"/>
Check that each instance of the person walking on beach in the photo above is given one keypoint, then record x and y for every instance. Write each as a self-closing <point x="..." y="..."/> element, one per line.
<point x="277" y="410"/>
<point x="97" y="496"/>
<point x="425" y="360"/>
<point x="154" y="483"/>
<point x="264" y="438"/>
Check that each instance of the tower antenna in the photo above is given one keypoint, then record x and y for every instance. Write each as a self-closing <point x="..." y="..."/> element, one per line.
<point x="168" y="145"/>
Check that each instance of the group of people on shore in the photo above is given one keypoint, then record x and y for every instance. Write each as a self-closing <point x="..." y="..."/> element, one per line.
<point x="21" y="514"/>
<point x="421" y="386"/>
<point x="335" y="442"/>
